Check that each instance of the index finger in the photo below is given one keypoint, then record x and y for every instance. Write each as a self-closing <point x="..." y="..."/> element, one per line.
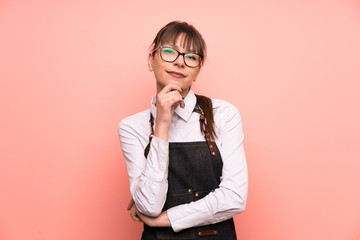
<point x="130" y="204"/>
<point x="171" y="87"/>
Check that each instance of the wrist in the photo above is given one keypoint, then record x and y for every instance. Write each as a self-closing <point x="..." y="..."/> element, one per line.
<point x="161" y="131"/>
<point x="163" y="220"/>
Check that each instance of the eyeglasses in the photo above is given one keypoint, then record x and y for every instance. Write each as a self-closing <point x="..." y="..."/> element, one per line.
<point x="169" y="54"/>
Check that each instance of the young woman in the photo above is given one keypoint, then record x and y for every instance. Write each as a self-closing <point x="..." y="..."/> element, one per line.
<point x="184" y="156"/>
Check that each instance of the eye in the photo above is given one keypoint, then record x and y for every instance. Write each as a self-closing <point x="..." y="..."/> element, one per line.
<point x="168" y="50"/>
<point x="192" y="56"/>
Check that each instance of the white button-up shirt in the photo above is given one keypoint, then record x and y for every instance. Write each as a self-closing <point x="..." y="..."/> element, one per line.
<point x="148" y="176"/>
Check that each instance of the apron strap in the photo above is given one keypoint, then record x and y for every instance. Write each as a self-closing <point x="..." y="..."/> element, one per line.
<point x="151" y="122"/>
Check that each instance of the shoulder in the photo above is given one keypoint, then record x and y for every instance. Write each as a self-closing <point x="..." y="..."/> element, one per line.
<point x="226" y="116"/>
<point x="136" y="122"/>
<point x="224" y="108"/>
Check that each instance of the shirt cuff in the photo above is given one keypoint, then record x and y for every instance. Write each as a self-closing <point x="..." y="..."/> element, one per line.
<point x="181" y="218"/>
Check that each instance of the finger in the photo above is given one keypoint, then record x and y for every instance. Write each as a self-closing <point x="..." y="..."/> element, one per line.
<point x="135" y="217"/>
<point x="178" y="101"/>
<point x="130" y="204"/>
<point x="182" y="103"/>
<point x="169" y="95"/>
<point x="171" y="87"/>
<point x="169" y="99"/>
<point x="133" y="214"/>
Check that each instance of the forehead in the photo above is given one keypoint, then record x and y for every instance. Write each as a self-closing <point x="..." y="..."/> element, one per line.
<point x="181" y="40"/>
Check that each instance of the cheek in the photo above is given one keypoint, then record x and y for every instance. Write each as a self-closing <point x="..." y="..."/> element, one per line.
<point x="159" y="74"/>
<point x="158" y="67"/>
<point x="194" y="75"/>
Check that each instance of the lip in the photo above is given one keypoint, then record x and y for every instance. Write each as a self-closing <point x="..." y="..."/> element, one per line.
<point x="176" y="74"/>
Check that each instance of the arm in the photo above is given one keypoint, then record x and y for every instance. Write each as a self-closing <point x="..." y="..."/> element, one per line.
<point x="160" y="221"/>
<point x="148" y="176"/>
<point x="230" y="198"/>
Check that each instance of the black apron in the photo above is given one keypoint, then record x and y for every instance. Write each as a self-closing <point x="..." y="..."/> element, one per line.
<point x="194" y="171"/>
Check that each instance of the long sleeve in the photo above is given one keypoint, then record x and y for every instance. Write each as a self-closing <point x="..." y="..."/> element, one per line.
<point x="230" y="198"/>
<point x="147" y="176"/>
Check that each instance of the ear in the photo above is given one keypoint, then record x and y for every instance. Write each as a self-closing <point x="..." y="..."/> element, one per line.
<point x="151" y="58"/>
<point x="150" y="62"/>
<point x="201" y="64"/>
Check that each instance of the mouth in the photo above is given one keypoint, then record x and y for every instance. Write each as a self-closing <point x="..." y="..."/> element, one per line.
<point x="176" y="74"/>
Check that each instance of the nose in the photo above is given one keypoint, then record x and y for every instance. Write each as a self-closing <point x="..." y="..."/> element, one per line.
<point x="180" y="61"/>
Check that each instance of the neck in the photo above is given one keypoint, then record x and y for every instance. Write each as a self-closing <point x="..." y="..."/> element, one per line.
<point x="185" y="92"/>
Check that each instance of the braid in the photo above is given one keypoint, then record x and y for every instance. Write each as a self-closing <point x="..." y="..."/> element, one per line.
<point x="205" y="104"/>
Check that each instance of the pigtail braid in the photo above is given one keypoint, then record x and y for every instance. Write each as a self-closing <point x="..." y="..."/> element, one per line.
<point x="205" y="104"/>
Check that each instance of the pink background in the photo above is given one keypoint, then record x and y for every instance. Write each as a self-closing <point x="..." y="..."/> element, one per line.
<point x="71" y="70"/>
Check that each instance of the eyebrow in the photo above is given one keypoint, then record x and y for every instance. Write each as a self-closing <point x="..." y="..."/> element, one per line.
<point x="177" y="48"/>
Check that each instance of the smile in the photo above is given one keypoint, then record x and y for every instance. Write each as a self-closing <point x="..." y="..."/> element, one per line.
<point x="176" y="74"/>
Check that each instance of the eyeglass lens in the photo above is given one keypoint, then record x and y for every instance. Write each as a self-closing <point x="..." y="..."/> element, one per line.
<point x="170" y="55"/>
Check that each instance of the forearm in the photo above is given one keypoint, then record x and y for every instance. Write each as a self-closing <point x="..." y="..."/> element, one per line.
<point x="161" y="131"/>
<point x="150" y="188"/>
<point x="150" y="204"/>
<point x="160" y="221"/>
<point x="217" y="206"/>
<point x="147" y="176"/>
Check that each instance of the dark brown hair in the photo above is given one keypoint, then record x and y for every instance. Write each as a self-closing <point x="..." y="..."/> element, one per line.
<point x="193" y="39"/>
<point x="171" y="31"/>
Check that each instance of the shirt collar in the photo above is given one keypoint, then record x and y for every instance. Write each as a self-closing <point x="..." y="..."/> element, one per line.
<point x="184" y="113"/>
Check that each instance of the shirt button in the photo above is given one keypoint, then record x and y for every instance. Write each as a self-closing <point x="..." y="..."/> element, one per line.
<point x="196" y="194"/>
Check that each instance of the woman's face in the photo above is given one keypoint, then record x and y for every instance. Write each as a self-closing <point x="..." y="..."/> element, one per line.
<point x="175" y="72"/>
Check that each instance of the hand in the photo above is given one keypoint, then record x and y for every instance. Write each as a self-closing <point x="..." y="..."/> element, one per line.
<point x="130" y="204"/>
<point x="160" y="221"/>
<point x="132" y="208"/>
<point x="166" y="102"/>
